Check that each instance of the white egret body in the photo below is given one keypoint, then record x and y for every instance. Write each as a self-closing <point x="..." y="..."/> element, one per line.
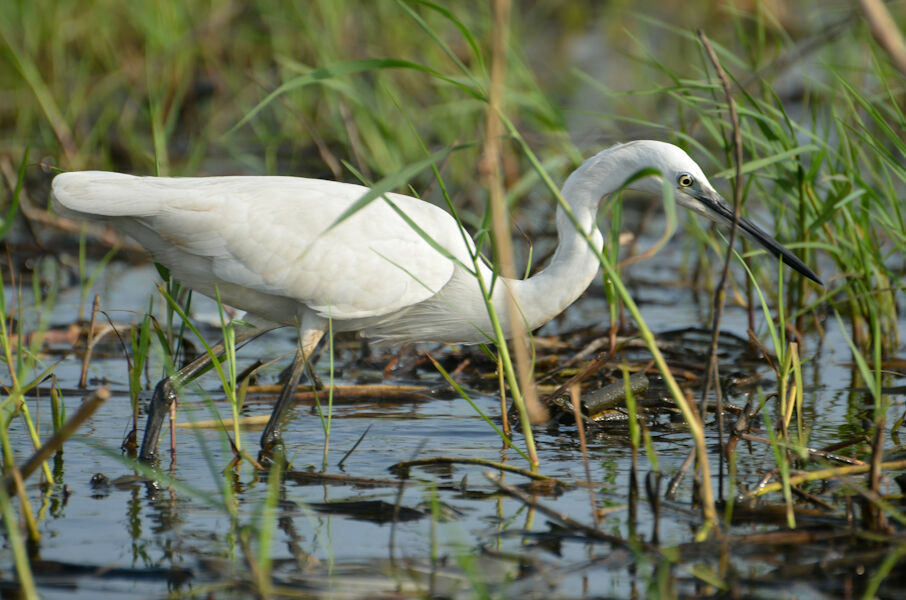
<point x="266" y="244"/>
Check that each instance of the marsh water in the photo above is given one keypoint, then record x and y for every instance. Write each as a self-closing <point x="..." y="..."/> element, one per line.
<point x="111" y="531"/>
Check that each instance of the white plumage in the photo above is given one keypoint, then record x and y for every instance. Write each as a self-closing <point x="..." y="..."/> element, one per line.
<point x="265" y="243"/>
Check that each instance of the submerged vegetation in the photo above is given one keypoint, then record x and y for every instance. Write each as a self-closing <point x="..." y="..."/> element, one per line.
<point x="473" y="108"/>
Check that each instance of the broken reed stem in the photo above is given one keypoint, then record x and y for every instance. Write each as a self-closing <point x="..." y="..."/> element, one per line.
<point x="713" y="375"/>
<point x="675" y="481"/>
<point x="873" y="515"/>
<point x="89" y="342"/>
<point x="354" y="446"/>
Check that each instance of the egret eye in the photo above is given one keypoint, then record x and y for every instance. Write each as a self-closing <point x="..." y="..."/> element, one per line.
<point x="685" y="180"/>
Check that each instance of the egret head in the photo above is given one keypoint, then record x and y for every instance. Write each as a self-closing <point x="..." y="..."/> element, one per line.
<point x="692" y="190"/>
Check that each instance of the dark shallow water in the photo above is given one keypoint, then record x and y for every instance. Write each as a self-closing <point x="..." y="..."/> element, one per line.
<point x="150" y="539"/>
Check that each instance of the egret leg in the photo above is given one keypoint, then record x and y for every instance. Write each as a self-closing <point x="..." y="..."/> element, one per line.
<point x="308" y="341"/>
<point x="165" y="391"/>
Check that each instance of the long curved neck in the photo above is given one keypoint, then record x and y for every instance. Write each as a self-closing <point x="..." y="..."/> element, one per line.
<point x="574" y="264"/>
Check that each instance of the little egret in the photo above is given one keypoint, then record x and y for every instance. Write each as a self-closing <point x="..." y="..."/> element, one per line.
<point x="267" y="246"/>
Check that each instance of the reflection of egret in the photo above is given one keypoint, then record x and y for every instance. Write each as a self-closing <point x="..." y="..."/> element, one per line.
<point x="267" y="245"/>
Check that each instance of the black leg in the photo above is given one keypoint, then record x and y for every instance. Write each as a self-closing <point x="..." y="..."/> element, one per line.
<point x="271" y="433"/>
<point x="308" y="341"/>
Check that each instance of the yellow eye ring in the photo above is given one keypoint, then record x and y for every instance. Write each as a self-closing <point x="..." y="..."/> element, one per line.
<point x="685" y="180"/>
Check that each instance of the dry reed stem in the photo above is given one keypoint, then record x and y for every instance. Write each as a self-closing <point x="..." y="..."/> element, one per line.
<point x="885" y="31"/>
<point x="491" y="169"/>
<point x="826" y="474"/>
<point x="712" y="376"/>
<point x="253" y="421"/>
<point x="104" y="235"/>
<point x="347" y="391"/>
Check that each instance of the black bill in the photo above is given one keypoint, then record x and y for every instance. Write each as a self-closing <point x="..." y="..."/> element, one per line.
<point x="163" y="398"/>
<point x="719" y="211"/>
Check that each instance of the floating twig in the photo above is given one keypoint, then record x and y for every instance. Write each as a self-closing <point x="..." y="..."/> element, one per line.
<point x="403" y="467"/>
<point x="354" y="446"/>
<point x="303" y="394"/>
<point x="565" y="519"/>
<point x="811" y="451"/>
<point x="313" y="478"/>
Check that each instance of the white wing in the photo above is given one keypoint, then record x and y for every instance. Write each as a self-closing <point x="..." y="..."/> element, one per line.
<point x="268" y="235"/>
